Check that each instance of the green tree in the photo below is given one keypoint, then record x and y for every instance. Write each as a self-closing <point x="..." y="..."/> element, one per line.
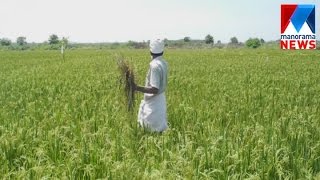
<point x="186" y="39"/>
<point x="21" y="41"/>
<point x="209" y="39"/>
<point x="53" y="39"/>
<point x="5" y="42"/>
<point x="234" y="40"/>
<point x="253" y="43"/>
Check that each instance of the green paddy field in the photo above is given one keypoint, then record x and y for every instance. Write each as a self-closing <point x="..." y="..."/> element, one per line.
<point x="233" y="114"/>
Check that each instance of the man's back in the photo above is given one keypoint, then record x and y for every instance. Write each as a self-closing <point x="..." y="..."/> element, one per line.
<point x="157" y="76"/>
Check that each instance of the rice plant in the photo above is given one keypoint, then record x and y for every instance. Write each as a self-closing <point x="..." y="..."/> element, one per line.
<point x="127" y="81"/>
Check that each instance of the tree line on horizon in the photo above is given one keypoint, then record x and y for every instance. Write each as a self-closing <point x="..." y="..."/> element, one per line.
<point x="54" y="43"/>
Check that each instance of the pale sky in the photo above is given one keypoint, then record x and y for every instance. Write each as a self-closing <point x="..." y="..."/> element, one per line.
<point x="123" y="20"/>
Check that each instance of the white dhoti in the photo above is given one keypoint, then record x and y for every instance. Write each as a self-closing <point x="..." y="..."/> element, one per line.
<point x="153" y="113"/>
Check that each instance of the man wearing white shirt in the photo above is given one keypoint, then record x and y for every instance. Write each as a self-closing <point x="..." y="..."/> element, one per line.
<point x="153" y="110"/>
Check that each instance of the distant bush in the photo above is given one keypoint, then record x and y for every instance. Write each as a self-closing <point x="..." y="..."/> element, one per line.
<point x="234" y="40"/>
<point x="21" y="41"/>
<point x="253" y="43"/>
<point x="209" y="39"/>
<point x="219" y="45"/>
<point x="15" y="47"/>
<point x="137" y="45"/>
<point x="186" y="39"/>
<point x="5" y="42"/>
<point x="53" y="39"/>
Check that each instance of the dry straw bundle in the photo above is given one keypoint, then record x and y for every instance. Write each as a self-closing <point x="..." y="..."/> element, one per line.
<point x="127" y="81"/>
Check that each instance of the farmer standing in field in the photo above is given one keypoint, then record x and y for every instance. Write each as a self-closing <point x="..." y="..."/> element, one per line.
<point x="153" y="110"/>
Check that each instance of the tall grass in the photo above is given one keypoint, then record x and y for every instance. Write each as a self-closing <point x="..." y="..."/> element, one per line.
<point x="242" y="114"/>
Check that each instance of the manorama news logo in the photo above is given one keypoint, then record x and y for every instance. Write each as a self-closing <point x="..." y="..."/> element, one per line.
<point x="298" y="26"/>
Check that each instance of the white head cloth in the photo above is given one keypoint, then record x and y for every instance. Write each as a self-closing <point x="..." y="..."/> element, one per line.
<point x="156" y="46"/>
